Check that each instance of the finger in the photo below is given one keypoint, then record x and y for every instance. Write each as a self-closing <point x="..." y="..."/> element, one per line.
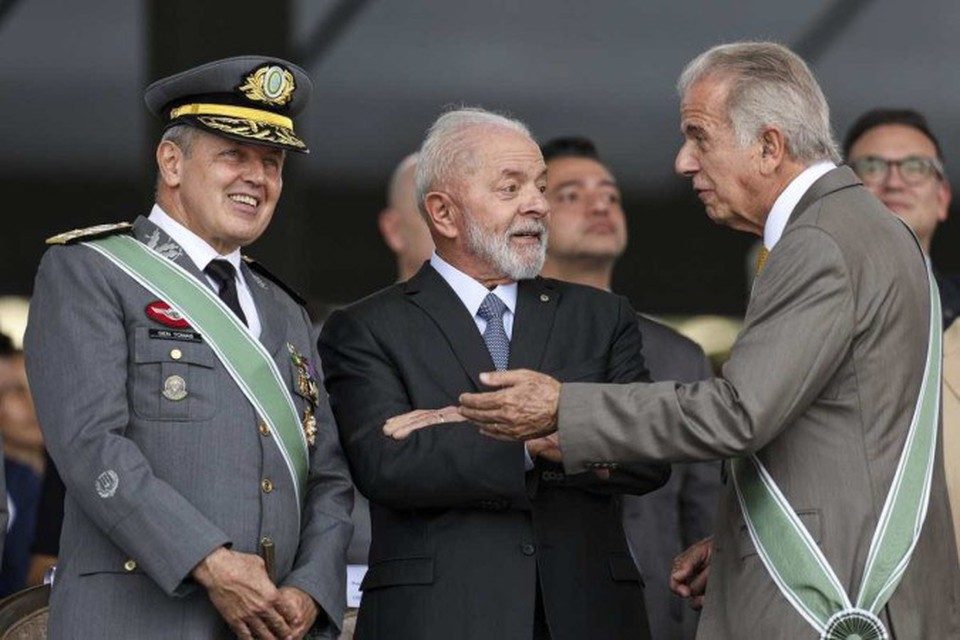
<point x="403" y="432"/>
<point x="259" y="630"/>
<point x="508" y="378"/>
<point x="696" y="603"/>
<point x="403" y="419"/>
<point x="481" y="416"/>
<point x="679" y="588"/>
<point x="277" y="622"/>
<point x="699" y="583"/>
<point x="492" y="431"/>
<point x="243" y="631"/>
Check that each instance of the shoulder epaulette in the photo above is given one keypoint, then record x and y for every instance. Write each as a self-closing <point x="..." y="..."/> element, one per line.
<point x="90" y="233"/>
<point x="262" y="270"/>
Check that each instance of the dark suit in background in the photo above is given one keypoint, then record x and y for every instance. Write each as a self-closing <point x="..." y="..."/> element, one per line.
<point x="461" y="533"/>
<point x="663" y="523"/>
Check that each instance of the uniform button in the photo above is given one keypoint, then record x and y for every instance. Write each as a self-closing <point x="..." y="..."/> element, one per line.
<point x="176" y="354"/>
<point x="130" y="565"/>
<point x="528" y="549"/>
<point x="266" y="540"/>
<point x="264" y="429"/>
<point x="266" y="485"/>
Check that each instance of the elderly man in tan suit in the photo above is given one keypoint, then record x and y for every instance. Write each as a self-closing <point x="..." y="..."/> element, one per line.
<point x="825" y="388"/>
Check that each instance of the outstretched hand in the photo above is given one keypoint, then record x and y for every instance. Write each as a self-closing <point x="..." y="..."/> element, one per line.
<point x="523" y="407"/>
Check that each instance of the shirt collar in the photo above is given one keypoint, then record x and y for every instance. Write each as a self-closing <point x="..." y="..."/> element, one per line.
<point x="788" y="200"/>
<point x="471" y="292"/>
<point x="193" y="245"/>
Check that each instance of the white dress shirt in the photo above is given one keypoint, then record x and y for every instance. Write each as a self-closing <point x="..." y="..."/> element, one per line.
<point x="472" y="294"/>
<point x="202" y="254"/>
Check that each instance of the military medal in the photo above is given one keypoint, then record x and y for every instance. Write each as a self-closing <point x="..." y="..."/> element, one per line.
<point x="854" y="624"/>
<point x="308" y="388"/>
<point x="309" y="426"/>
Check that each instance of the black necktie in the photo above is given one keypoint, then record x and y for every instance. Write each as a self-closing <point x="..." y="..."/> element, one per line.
<point x="225" y="276"/>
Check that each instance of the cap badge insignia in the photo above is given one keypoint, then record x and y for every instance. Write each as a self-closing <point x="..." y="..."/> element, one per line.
<point x="271" y="85"/>
<point x="166" y="315"/>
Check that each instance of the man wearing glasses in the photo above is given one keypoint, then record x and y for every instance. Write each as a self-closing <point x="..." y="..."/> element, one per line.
<point x="899" y="159"/>
<point x="918" y="192"/>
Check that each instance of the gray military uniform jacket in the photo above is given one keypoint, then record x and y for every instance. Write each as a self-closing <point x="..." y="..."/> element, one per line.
<point x="821" y="384"/>
<point x="154" y="484"/>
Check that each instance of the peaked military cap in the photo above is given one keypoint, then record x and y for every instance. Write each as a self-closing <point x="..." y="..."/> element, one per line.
<point x="248" y="98"/>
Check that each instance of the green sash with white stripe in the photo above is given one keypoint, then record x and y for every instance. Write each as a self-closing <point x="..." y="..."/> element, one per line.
<point x="796" y="563"/>
<point x="248" y="363"/>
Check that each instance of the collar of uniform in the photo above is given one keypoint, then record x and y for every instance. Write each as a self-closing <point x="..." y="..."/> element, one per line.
<point x="783" y="207"/>
<point x="193" y="245"/>
<point x="472" y="293"/>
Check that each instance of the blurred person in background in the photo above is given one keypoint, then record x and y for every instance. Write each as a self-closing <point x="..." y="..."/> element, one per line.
<point x="23" y="459"/>
<point x="588" y="233"/>
<point x="401" y="225"/>
<point x="900" y="161"/>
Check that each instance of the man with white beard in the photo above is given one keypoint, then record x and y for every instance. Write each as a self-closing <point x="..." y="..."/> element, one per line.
<point x="474" y="538"/>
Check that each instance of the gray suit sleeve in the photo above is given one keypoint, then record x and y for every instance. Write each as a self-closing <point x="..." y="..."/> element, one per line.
<point x="791" y="344"/>
<point x="76" y="355"/>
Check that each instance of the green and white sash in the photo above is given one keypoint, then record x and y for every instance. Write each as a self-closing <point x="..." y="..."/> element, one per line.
<point x="248" y="363"/>
<point x="796" y="563"/>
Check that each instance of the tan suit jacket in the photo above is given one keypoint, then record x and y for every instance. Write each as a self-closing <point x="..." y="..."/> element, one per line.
<point x="821" y="384"/>
<point x="951" y="421"/>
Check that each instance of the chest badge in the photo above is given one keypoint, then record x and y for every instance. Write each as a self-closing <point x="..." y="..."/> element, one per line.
<point x="166" y="315"/>
<point x="175" y="388"/>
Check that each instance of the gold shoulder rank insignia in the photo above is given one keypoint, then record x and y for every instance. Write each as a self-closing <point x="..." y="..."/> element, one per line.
<point x="90" y="233"/>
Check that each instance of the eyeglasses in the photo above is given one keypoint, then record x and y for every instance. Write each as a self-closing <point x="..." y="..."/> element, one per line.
<point x="914" y="170"/>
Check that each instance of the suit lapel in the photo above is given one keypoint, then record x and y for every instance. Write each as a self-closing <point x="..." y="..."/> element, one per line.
<point x="431" y="293"/>
<point x="536" y="307"/>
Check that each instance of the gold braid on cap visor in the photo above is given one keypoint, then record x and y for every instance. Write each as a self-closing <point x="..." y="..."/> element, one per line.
<point x="246" y="113"/>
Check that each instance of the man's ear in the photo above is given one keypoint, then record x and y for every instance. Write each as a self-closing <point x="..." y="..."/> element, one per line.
<point x="943" y="197"/>
<point x="443" y="213"/>
<point x="773" y="150"/>
<point x="170" y="163"/>
<point x="389" y="224"/>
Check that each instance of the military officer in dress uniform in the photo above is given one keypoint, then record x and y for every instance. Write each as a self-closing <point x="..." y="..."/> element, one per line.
<point x="178" y="391"/>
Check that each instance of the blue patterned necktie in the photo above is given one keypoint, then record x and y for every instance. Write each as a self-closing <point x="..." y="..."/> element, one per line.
<point x="498" y="344"/>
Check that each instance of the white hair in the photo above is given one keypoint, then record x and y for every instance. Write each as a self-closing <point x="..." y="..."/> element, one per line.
<point x="449" y="152"/>
<point x="769" y="85"/>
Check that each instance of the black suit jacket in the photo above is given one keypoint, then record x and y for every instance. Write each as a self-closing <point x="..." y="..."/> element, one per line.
<point x="460" y="531"/>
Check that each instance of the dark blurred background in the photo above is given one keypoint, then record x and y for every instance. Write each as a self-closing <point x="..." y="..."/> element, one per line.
<point x="77" y="142"/>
